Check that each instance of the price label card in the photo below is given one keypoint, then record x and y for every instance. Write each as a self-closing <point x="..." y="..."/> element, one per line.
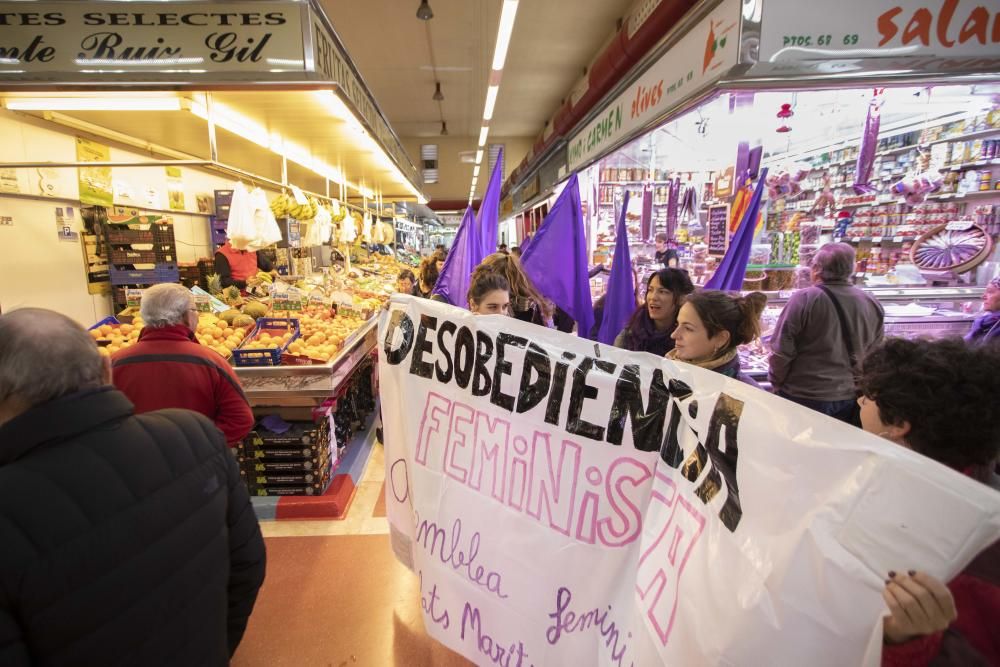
<point x="133" y="297"/>
<point x="959" y="225"/>
<point x="203" y="303"/>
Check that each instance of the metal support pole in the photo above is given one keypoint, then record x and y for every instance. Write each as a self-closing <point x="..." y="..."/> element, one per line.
<point x="213" y="145"/>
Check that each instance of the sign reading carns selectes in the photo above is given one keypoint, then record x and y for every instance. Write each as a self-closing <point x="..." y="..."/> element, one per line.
<point x="523" y="468"/>
<point x="67" y="37"/>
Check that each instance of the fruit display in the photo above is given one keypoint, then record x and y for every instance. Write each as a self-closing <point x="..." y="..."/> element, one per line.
<point x="112" y="336"/>
<point x="955" y="250"/>
<point x="219" y="334"/>
<point x="322" y="336"/>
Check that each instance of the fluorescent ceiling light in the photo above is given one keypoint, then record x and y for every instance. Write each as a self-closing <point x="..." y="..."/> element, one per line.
<point x="483" y="133"/>
<point x="491" y="100"/>
<point x="93" y="104"/>
<point x="475" y="172"/>
<point x="504" y="33"/>
<point x="479" y="156"/>
<point x="235" y="122"/>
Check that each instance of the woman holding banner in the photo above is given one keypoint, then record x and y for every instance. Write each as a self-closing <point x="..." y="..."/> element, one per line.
<point x="711" y="325"/>
<point x="489" y="294"/>
<point x="652" y="323"/>
<point x="939" y="398"/>
<point x="526" y="302"/>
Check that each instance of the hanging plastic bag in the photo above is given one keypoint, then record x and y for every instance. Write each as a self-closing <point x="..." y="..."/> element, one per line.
<point x="241" y="228"/>
<point x="267" y="230"/>
<point x="366" y="228"/>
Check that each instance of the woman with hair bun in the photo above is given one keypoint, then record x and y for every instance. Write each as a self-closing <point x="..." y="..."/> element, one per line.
<point x="711" y="325"/>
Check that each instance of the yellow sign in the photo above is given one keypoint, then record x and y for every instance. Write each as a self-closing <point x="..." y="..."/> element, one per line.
<point x="95" y="182"/>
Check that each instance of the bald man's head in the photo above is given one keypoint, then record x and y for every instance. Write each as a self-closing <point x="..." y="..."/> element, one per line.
<point x="43" y="356"/>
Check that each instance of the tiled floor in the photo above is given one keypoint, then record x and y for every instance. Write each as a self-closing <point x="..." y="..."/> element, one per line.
<point x="335" y="596"/>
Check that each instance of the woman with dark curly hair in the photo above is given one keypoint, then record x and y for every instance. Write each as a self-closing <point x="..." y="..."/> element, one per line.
<point x="652" y="323"/>
<point x="939" y="398"/>
<point x="430" y="269"/>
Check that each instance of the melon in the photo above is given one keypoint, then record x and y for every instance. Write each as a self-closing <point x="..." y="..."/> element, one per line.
<point x="243" y="321"/>
<point x="255" y="309"/>
<point x="230" y="315"/>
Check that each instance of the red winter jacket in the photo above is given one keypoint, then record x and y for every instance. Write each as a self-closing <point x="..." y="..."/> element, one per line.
<point x="168" y="368"/>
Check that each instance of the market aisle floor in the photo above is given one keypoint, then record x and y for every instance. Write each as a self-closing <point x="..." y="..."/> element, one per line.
<point x="335" y="596"/>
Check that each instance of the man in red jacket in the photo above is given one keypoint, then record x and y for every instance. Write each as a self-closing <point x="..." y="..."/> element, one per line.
<point x="168" y="368"/>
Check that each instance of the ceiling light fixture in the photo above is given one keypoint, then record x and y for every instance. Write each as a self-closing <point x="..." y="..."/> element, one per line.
<point x="438" y="95"/>
<point x="483" y="133"/>
<point x="491" y="100"/>
<point x="479" y="156"/>
<point x="424" y="12"/>
<point x="104" y="103"/>
<point x="504" y="33"/>
<point x="444" y="129"/>
<point x="475" y="172"/>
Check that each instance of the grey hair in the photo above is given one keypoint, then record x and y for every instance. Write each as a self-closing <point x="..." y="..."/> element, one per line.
<point x="834" y="262"/>
<point x="35" y="368"/>
<point x="166" y="305"/>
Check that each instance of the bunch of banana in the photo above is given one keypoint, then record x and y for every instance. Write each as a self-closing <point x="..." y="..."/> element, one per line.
<point x="282" y="205"/>
<point x="305" y="211"/>
<point x="339" y="213"/>
<point x="265" y="277"/>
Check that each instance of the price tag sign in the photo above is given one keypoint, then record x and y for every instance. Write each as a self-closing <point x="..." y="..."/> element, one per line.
<point x="203" y="303"/>
<point x="133" y="297"/>
<point x="958" y="225"/>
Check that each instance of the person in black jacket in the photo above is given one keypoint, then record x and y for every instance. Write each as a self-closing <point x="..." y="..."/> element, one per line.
<point x="124" y="539"/>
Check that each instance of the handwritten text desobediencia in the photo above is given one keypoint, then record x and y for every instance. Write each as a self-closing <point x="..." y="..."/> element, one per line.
<point x="525" y="469"/>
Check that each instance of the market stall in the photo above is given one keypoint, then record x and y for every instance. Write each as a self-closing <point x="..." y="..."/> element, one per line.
<point x="150" y="138"/>
<point x="880" y="136"/>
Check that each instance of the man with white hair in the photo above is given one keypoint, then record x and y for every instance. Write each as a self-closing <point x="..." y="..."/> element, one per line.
<point x="822" y="334"/>
<point x="124" y="539"/>
<point x="169" y="368"/>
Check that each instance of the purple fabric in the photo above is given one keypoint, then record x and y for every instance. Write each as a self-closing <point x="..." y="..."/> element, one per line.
<point x="869" y="142"/>
<point x="753" y="161"/>
<point x="556" y="259"/>
<point x="488" y="218"/>
<point x="729" y="276"/>
<point x="646" y="223"/>
<point x="742" y="164"/>
<point x="672" y="207"/>
<point x="619" y="300"/>
<point x="453" y="282"/>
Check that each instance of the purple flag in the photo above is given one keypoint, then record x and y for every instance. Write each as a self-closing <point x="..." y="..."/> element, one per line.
<point x="453" y="283"/>
<point x="729" y="276"/>
<point x="488" y="218"/>
<point x="556" y="259"/>
<point x="619" y="300"/>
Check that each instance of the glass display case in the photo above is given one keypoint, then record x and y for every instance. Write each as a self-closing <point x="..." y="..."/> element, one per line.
<point x="931" y="312"/>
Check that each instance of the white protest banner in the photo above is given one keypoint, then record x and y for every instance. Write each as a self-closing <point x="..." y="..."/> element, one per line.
<point x="567" y="503"/>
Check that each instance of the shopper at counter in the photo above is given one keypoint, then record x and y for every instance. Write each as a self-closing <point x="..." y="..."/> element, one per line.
<point x="430" y="269"/>
<point x="711" y="325"/>
<point x="235" y="267"/>
<point x="406" y="282"/>
<point x="489" y="294"/>
<point x="666" y="252"/>
<point x="986" y="327"/>
<point x="168" y="368"/>
<point x="821" y="334"/>
<point x="939" y="398"/>
<point x="126" y="539"/>
<point x="652" y="322"/>
<point x="526" y="302"/>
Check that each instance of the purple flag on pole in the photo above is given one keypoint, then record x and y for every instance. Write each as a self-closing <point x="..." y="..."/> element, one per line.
<point x="488" y="218"/>
<point x="619" y="300"/>
<point x="556" y="259"/>
<point x="729" y="276"/>
<point x="453" y="283"/>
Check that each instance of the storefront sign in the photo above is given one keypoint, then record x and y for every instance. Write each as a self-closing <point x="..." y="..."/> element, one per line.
<point x="116" y="38"/>
<point x="566" y="503"/>
<point x="794" y="31"/>
<point x="332" y="64"/>
<point x="698" y="58"/>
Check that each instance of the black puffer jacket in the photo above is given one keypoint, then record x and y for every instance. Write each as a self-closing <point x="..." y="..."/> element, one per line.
<point x="124" y="540"/>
